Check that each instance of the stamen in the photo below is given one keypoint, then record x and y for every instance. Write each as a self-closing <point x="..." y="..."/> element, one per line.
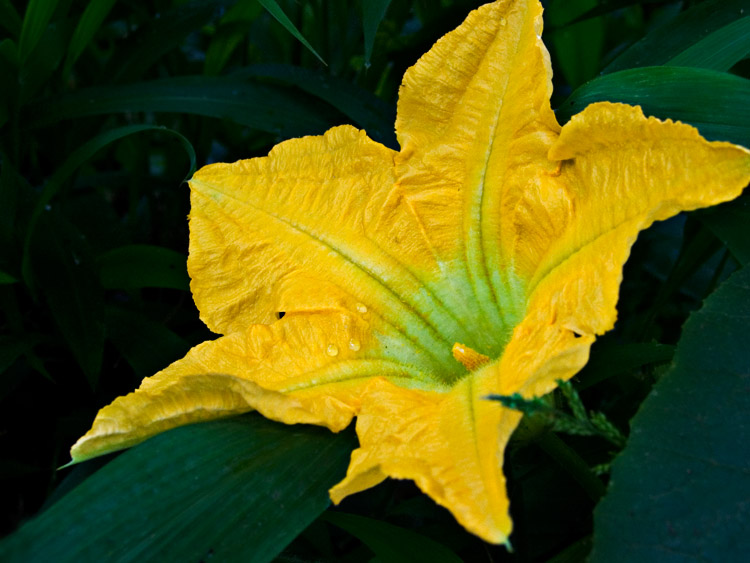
<point x="470" y="358"/>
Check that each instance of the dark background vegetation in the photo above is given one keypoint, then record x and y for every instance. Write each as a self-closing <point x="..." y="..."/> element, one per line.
<point x="105" y="107"/>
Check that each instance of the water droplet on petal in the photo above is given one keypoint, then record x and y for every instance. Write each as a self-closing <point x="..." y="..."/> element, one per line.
<point x="332" y="350"/>
<point x="361" y="308"/>
<point x="502" y="21"/>
<point x="354" y="344"/>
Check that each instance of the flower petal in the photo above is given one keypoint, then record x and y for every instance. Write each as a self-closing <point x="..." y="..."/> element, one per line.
<point x="619" y="172"/>
<point x="451" y="444"/>
<point x="475" y="125"/>
<point x="306" y="368"/>
<point x="309" y="228"/>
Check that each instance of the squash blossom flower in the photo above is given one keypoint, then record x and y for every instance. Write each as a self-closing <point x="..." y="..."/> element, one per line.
<point x="483" y="258"/>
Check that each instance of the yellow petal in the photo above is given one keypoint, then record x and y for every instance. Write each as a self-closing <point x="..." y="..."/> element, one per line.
<point x="307" y="229"/>
<point x="450" y="444"/>
<point x="475" y="124"/>
<point x="619" y="172"/>
<point x="306" y="368"/>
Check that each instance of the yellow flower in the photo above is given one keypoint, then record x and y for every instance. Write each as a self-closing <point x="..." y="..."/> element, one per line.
<point x="484" y="257"/>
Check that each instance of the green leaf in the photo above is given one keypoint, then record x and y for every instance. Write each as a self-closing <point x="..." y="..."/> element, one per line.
<point x="717" y="103"/>
<point x="612" y="360"/>
<point x="64" y="271"/>
<point x="275" y="10"/>
<point x="730" y="223"/>
<point x="602" y="8"/>
<point x="373" y="12"/>
<point x="6" y="279"/>
<point x="687" y="30"/>
<point x="579" y="46"/>
<point x="167" y="31"/>
<point x="264" y="107"/>
<point x="38" y="15"/>
<point x="71" y="164"/>
<point x="14" y="346"/>
<point x="392" y="543"/>
<point x="232" y="29"/>
<point x="678" y="491"/>
<point x="719" y="51"/>
<point x="364" y="108"/>
<point x="9" y="18"/>
<point x="141" y="265"/>
<point x="88" y="25"/>
<point x="148" y="346"/>
<point x="233" y="490"/>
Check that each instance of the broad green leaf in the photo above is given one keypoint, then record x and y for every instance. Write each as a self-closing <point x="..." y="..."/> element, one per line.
<point x="136" y="266"/>
<point x="148" y="346"/>
<point x="35" y="21"/>
<point x="392" y="543"/>
<point x="232" y="29"/>
<point x="361" y="106"/>
<point x="239" y="490"/>
<point x="373" y="12"/>
<point x="721" y="50"/>
<point x="679" y="490"/>
<point x="88" y="24"/>
<point x="717" y="103"/>
<point x="9" y="18"/>
<point x="264" y="107"/>
<point x="612" y="360"/>
<point x="71" y="164"/>
<point x="664" y="43"/>
<point x="275" y="10"/>
<point x="730" y="222"/>
<point x="64" y="271"/>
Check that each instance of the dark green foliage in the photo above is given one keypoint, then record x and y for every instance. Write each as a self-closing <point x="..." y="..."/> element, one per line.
<point x="107" y="107"/>
<point x="236" y="490"/>
<point x="681" y="486"/>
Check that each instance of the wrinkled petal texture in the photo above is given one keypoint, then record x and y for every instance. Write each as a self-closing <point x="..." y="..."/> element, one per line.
<point x="492" y="227"/>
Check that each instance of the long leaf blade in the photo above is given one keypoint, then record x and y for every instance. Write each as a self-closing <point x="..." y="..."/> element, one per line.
<point x="264" y="107"/>
<point x="373" y="12"/>
<point x="717" y="103"/>
<point x="88" y="25"/>
<point x="233" y="490"/>
<point x="275" y="10"/>
<point x="38" y="15"/>
<point x="690" y="27"/>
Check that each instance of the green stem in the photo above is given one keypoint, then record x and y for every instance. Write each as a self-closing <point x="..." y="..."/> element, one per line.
<point x="576" y="467"/>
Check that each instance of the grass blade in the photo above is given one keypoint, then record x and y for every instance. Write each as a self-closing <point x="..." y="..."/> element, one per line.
<point x="275" y="10"/>
<point x="373" y="12"/>
<point x="88" y="25"/>
<point x="38" y="15"/>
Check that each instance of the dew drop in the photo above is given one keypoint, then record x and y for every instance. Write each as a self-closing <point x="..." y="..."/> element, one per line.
<point x="361" y="308"/>
<point x="502" y="21"/>
<point x="332" y="350"/>
<point x="354" y="344"/>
